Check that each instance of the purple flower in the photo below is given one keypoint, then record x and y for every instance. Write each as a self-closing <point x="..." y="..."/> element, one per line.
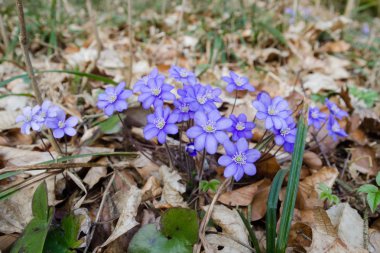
<point x="190" y="149"/>
<point x="240" y="127"/>
<point x="236" y="82"/>
<point x="182" y="75"/>
<point x="144" y="80"/>
<point x="286" y="136"/>
<point x="209" y="130"/>
<point x="61" y="126"/>
<point x="183" y="110"/>
<point x="199" y="97"/>
<point x="274" y="111"/>
<point x="239" y="159"/>
<point x="155" y="93"/>
<point x="365" y="29"/>
<point x="334" y="128"/>
<point x="113" y="99"/>
<point x="316" y="118"/>
<point x="161" y="123"/>
<point x="28" y="119"/>
<point x="335" y="110"/>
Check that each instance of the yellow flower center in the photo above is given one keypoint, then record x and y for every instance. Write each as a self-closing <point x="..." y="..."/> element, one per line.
<point x="61" y="124"/>
<point x="160" y="123"/>
<point x="202" y="99"/>
<point x="240" y="158"/>
<point x="156" y="91"/>
<point x="240" y="126"/>
<point x="209" y="127"/>
<point x="272" y="111"/>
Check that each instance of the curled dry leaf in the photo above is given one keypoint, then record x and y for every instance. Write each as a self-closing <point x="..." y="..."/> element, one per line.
<point x="312" y="160"/>
<point x="363" y="160"/>
<point x="172" y="189"/>
<point x="224" y="244"/>
<point x="335" y="46"/>
<point x="316" y="82"/>
<point x="259" y="201"/>
<point x="130" y="203"/>
<point x="151" y="189"/>
<point x="308" y="197"/>
<point x="240" y="197"/>
<point x="232" y="227"/>
<point x="95" y="174"/>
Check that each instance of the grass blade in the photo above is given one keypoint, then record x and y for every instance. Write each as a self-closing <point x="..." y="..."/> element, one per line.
<point x="277" y="34"/>
<point x="293" y="181"/>
<point x="71" y="72"/>
<point x="252" y="236"/>
<point x="271" y="215"/>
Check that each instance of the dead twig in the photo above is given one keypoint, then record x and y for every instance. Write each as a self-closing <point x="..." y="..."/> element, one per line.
<point x="130" y="35"/>
<point x="105" y="194"/>
<point x="25" y="49"/>
<point x="52" y="166"/>
<point x="204" y="222"/>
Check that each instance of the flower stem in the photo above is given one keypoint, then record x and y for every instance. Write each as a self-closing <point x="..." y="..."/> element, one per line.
<point x="170" y="156"/>
<point x="320" y="148"/>
<point x="122" y="122"/>
<point x="46" y="148"/>
<point x="233" y="107"/>
<point x="202" y="166"/>
<point x="66" y="145"/>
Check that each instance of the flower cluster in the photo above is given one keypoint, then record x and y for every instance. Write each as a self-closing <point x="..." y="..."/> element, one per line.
<point x="278" y="119"/>
<point x="47" y="115"/>
<point x="114" y="99"/>
<point x="333" y="126"/>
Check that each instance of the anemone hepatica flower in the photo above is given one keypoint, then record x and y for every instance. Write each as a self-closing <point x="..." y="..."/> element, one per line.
<point x="274" y="111"/>
<point x="47" y="111"/>
<point x="334" y="128"/>
<point x="335" y="110"/>
<point x="155" y="93"/>
<point x="286" y="136"/>
<point x="144" y="80"/>
<point x="28" y="119"/>
<point x="61" y="126"/>
<point x="239" y="159"/>
<point x="190" y="149"/>
<point x="200" y="97"/>
<point x="114" y="99"/>
<point x="240" y="127"/>
<point x="316" y="118"/>
<point x="183" y="110"/>
<point x="209" y="130"/>
<point x="182" y="75"/>
<point x="236" y="82"/>
<point x="161" y="123"/>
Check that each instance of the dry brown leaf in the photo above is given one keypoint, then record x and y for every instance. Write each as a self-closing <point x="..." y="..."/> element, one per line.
<point x="317" y="81"/>
<point x="312" y="160"/>
<point x="232" y="226"/>
<point x="240" y="197"/>
<point x="259" y="206"/>
<point x="308" y="197"/>
<point x="300" y="235"/>
<point x="344" y="218"/>
<point x="95" y="174"/>
<point x="335" y="46"/>
<point x="172" y="189"/>
<point x="151" y="189"/>
<point x="374" y="241"/>
<point x="130" y="203"/>
<point x="6" y="241"/>
<point x="224" y="244"/>
<point x="363" y="159"/>
<point x="8" y="120"/>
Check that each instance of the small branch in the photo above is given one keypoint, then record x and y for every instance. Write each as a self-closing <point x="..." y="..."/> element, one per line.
<point x="130" y="35"/>
<point x="3" y="33"/>
<point x="52" y="166"/>
<point x="365" y="229"/>
<point x="179" y="29"/>
<point x="29" y="67"/>
<point x="105" y="194"/>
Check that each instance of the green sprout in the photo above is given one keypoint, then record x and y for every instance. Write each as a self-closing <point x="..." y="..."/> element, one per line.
<point x="373" y="193"/>
<point x="209" y="185"/>
<point x="326" y="194"/>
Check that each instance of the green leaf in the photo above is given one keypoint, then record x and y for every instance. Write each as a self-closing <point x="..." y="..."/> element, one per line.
<point x="367" y="188"/>
<point x="40" y="206"/>
<point x="378" y="179"/>
<point x="72" y="72"/>
<point x="204" y="185"/>
<point x="324" y="188"/>
<point x="180" y="223"/>
<point x="201" y="68"/>
<point x="34" y="235"/>
<point x="274" y="32"/>
<point x="335" y="200"/>
<point x="149" y="240"/>
<point x="63" y="239"/>
<point x="16" y="94"/>
<point x="373" y="199"/>
<point x="271" y="215"/>
<point x="213" y="184"/>
<point x="251" y="232"/>
<point x="110" y="125"/>
<point x="292" y="187"/>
